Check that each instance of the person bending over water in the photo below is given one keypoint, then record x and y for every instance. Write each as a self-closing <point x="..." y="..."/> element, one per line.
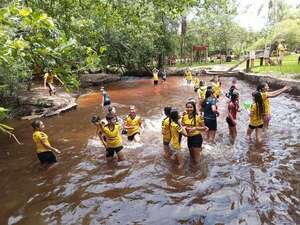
<point x="193" y="124"/>
<point x="209" y="106"/>
<point x="233" y="108"/>
<point x="133" y="123"/>
<point x="176" y="135"/>
<point x="256" y="116"/>
<point x="166" y="129"/>
<point x="44" y="149"/>
<point x="266" y="94"/>
<point x="112" y="132"/>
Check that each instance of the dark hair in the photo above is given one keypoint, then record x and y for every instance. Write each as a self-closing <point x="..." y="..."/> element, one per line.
<point x="36" y="124"/>
<point x="95" y="119"/>
<point x="261" y="86"/>
<point x="202" y="82"/>
<point x="194" y="110"/>
<point x="234" y="96"/>
<point x="174" y="115"/>
<point x="167" y="111"/>
<point x="209" y="93"/>
<point x="259" y="103"/>
<point x="109" y="116"/>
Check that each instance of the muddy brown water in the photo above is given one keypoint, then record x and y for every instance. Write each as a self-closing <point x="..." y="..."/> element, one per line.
<point x="244" y="183"/>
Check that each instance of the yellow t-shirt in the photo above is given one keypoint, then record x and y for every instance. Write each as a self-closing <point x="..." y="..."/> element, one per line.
<point x="188" y="75"/>
<point x="135" y="123"/>
<point x="38" y="136"/>
<point x="266" y="103"/>
<point x="216" y="88"/>
<point x="49" y="77"/>
<point x="255" y="120"/>
<point x="166" y="128"/>
<point x="280" y="48"/>
<point x="196" y="82"/>
<point x="175" y="132"/>
<point x="189" y="122"/>
<point x="155" y="76"/>
<point x="114" y="138"/>
<point x="202" y="92"/>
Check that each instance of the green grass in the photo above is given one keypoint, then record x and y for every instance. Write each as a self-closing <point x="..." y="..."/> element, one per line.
<point x="289" y="66"/>
<point x="196" y="64"/>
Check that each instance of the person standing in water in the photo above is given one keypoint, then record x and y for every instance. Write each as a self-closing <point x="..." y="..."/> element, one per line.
<point x="166" y="131"/>
<point x="44" y="149"/>
<point x="194" y="124"/>
<point x="201" y="93"/>
<point x="216" y="85"/>
<point x="176" y="135"/>
<point x="133" y="124"/>
<point x="112" y="133"/>
<point x="209" y="106"/>
<point x="233" y="108"/>
<point x="263" y="88"/>
<point x="232" y="88"/>
<point x="256" y="117"/>
<point x="49" y="81"/>
<point x="164" y="75"/>
<point x="188" y="76"/>
<point x="106" y="102"/>
<point x="155" y="76"/>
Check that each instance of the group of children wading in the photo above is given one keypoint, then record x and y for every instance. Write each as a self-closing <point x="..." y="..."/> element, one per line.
<point x="192" y="123"/>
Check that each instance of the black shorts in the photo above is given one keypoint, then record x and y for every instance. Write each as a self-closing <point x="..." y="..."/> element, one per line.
<point x="155" y="82"/>
<point x="110" y="152"/>
<point x="130" y="138"/>
<point x="230" y="122"/>
<point x="166" y="142"/>
<point x="211" y="123"/>
<point x="47" y="157"/>
<point x="106" y="103"/>
<point x="195" y="141"/>
<point x="254" y="127"/>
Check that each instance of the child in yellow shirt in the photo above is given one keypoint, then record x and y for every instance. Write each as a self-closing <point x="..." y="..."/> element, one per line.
<point x="43" y="148"/>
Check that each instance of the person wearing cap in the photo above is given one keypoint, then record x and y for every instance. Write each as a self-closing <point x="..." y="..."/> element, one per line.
<point x="133" y="123"/>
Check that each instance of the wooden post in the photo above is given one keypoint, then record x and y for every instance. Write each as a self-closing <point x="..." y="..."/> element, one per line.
<point x="261" y="61"/>
<point x="248" y="65"/>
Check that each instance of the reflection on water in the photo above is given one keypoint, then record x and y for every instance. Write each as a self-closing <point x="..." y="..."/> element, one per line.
<point x="241" y="184"/>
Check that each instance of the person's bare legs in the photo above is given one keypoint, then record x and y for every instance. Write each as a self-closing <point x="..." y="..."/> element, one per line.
<point x="258" y="132"/>
<point x="121" y="156"/>
<point x="180" y="160"/>
<point x="167" y="151"/>
<point x="195" y="154"/>
<point x="233" y="134"/>
<point x="249" y="132"/>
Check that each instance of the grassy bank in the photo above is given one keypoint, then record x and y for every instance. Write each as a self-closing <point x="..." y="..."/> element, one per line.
<point x="289" y="66"/>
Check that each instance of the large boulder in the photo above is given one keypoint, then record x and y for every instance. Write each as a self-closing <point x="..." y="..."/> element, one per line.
<point x="38" y="103"/>
<point x="97" y="79"/>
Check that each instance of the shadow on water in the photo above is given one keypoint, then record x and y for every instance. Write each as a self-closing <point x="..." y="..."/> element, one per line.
<point x="244" y="183"/>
